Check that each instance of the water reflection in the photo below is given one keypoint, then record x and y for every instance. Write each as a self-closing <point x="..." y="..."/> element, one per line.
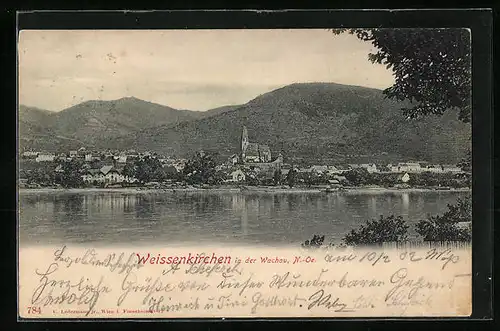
<point x="239" y="207"/>
<point x="373" y="206"/>
<point x="405" y="198"/>
<point x="203" y="217"/>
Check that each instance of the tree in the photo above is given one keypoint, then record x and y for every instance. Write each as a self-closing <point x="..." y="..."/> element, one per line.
<point x="42" y="176"/>
<point x="432" y="67"/>
<point x="252" y="177"/>
<point x="149" y="169"/>
<point x="130" y="169"/>
<point x="72" y="173"/>
<point x="466" y="163"/>
<point x="307" y="178"/>
<point x="386" y="229"/>
<point x="201" y="169"/>
<point x="446" y="227"/>
<point x="291" y="177"/>
<point x="384" y="179"/>
<point x="171" y="172"/>
<point x="358" y="176"/>
<point x="426" y="178"/>
<point x="277" y="177"/>
<point x="313" y="178"/>
<point x="95" y="163"/>
<point x="158" y="175"/>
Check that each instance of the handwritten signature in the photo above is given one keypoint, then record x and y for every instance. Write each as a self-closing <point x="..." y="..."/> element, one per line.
<point x="52" y="291"/>
<point x="407" y="290"/>
<point x="321" y="299"/>
<point x="112" y="261"/>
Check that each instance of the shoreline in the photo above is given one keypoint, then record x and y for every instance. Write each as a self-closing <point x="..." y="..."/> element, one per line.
<point x="248" y="190"/>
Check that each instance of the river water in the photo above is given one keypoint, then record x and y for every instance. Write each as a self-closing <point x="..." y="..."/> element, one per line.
<point x="269" y="219"/>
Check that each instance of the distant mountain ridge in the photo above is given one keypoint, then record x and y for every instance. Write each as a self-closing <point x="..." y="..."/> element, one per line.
<point x="36" y="130"/>
<point x="308" y="122"/>
<point x="220" y="110"/>
<point x="315" y="122"/>
<point x="95" y="120"/>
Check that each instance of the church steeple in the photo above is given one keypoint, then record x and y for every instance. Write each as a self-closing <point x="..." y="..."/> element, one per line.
<point x="244" y="142"/>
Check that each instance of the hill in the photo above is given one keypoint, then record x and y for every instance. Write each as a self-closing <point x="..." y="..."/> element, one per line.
<point x="36" y="130"/>
<point x="314" y="122"/>
<point x="92" y="121"/>
<point x="33" y="121"/>
<point x="220" y="110"/>
<point x="33" y="115"/>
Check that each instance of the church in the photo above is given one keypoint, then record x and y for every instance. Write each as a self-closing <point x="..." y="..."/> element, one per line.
<point x="257" y="155"/>
<point x="253" y="152"/>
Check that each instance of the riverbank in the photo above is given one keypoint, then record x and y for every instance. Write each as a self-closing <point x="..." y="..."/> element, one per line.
<point x="244" y="189"/>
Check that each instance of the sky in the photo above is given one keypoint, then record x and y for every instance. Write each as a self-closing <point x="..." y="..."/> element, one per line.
<point x="185" y="69"/>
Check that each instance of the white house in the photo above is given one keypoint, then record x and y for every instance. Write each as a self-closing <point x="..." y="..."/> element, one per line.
<point x="302" y="170"/>
<point x="179" y="164"/>
<point x="438" y="168"/>
<point x="464" y="225"/>
<point x="238" y="176"/>
<point x="434" y="168"/>
<point x="405" y="178"/>
<point x="451" y="168"/>
<point x="220" y="167"/>
<point x="333" y="170"/>
<point x="30" y="154"/>
<point x="370" y="167"/>
<point x="233" y="159"/>
<point x="343" y="168"/>
<point x="45" y="157"/>
<point x="320" y="169"/>
<point x="59" y="169"/>
<point x="107" y="175"/>
<point x="340" y="178"/>
<point x="93" y="176"/>
<point x="112" y="175"/>
<point x="122" y="158"/>
<point x="407" y="167"/>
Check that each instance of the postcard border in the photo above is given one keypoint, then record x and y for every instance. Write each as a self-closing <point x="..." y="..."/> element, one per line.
<point x="480" y="23"/>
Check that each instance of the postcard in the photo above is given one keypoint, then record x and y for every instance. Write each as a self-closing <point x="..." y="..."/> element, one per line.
<point x="245" y="173"/>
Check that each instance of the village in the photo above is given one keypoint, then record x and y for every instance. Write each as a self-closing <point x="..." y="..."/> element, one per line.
<point x="252" y="166"/>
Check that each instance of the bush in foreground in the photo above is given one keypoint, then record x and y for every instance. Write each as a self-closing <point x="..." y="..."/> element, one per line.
<point x="447" y="227"/>
<point x="316" y="242"/>
<point x="385" y="229"/>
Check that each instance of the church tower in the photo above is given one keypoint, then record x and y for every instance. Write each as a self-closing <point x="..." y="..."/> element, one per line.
<point x="244" y="143"/>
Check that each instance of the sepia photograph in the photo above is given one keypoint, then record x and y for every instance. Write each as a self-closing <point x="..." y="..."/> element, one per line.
<point x="244" y="173"/>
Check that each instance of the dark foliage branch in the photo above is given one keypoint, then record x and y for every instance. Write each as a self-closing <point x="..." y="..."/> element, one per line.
<point x="385" y="229"/>
<point x="432" y="67"/>
<point x="441" y="228"/>
<point x="445" y="227"/>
